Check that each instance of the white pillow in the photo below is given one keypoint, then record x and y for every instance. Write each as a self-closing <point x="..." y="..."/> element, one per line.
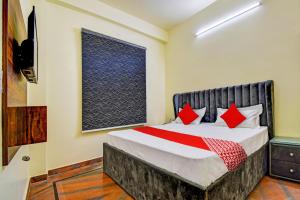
<point x="200" y="113"/>
<point x="251" y="113"/>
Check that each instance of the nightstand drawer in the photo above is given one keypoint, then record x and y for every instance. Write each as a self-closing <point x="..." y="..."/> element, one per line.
<point x="285" y="169"/>
<point x="285" y="153"/>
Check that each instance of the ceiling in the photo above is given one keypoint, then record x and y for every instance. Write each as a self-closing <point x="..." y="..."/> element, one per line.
<point x="163" y="13"/>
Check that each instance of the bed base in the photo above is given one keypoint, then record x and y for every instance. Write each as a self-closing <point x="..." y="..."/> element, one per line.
<point x="144" y="181"/>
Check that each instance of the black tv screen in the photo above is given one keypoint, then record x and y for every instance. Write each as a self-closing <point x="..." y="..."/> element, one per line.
<point x="29" y="51"/>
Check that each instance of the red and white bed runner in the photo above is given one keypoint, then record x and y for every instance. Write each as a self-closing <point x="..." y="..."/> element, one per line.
<point x="231" y="153"/>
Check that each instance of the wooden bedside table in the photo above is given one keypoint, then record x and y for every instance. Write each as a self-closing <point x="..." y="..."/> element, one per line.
<point x="285" y="158"/>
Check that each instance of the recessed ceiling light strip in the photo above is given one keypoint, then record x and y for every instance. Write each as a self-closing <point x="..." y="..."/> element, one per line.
<point x="222" y="21"/>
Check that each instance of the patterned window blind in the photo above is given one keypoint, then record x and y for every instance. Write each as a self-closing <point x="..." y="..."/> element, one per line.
<point x="113" y="82"/>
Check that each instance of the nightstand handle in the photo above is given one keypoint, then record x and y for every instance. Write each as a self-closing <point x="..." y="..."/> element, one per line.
<point x="292" y="170"/>
<point x="292" y="154"/>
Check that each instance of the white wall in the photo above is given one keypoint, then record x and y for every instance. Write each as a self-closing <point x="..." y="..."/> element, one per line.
<point x="14" y="178"/>
<point x="260" y="45"/>
<point x="59" y="27"/>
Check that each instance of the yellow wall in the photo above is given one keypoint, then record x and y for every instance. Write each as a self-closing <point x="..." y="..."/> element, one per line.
<point x="261" y="45"/>
<point x="59" y="29"/>
<point x="100" y="9"/>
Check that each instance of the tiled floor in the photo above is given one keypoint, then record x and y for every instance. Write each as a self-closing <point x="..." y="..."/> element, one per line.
<point x="89" y="182"/>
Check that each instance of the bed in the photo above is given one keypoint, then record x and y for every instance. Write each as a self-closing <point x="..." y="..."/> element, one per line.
<point x="151" y="168"/>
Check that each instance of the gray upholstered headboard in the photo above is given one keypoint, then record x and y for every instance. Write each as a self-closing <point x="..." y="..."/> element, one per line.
<point x="241" y="95"/>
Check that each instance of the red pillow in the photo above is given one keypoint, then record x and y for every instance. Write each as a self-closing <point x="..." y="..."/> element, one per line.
<point x="187" y="115"/>
<point x="233" y="117"/>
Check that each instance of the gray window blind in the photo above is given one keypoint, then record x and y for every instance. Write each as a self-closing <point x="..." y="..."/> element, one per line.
<point x="113" y="82"/>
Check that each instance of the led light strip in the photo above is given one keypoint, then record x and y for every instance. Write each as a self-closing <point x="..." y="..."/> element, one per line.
<point x="222" y="21"/>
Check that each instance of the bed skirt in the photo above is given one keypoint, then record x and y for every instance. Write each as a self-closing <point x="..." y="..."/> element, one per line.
<point x="144" y="181"/>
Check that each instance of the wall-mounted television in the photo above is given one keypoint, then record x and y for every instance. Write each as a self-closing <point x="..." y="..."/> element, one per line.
<point x="28" y="51"/>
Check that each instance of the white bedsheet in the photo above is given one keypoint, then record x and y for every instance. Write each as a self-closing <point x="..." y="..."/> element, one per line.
<point x="199" y="166"/>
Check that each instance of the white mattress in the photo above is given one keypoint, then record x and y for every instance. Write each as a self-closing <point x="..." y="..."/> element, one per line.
<point x="199" y="166"/>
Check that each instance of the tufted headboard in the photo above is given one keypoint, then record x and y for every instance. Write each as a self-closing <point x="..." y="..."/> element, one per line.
<point x="241" y="95"/>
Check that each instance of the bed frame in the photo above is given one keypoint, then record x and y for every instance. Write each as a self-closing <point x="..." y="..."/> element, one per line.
<point x="142" y="180"/>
